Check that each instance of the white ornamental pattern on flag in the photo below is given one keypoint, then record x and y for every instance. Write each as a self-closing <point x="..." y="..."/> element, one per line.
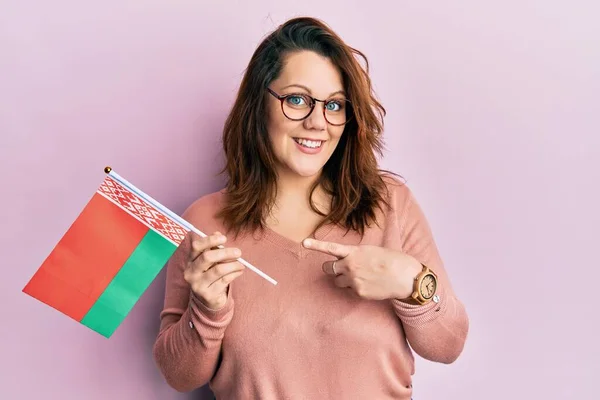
<point x="142" y="210"/>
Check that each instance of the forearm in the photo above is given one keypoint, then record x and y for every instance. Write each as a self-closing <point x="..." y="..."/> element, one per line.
<point x="436" y="331"/>
<point x="188" y="346"/>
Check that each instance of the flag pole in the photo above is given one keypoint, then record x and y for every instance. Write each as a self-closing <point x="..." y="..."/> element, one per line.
<point x="110" y="172"/>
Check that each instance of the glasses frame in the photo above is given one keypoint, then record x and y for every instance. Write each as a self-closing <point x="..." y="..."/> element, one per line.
<point x="282" y="97"/>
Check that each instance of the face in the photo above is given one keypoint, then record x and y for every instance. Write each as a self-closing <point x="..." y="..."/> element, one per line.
<point x="303" y="147"/>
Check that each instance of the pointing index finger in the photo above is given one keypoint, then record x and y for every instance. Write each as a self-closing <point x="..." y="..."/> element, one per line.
<point x="334" y="249"/>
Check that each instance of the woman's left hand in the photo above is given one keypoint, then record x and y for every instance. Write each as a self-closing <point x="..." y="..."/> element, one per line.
<point x="372" y="272"/>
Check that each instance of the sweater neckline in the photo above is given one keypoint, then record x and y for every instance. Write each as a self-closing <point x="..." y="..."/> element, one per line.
<point x="291" y="245"/>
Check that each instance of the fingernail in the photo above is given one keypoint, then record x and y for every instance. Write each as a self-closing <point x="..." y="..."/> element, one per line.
<point x="237" y="253"/>
<point x="307" y="242"/>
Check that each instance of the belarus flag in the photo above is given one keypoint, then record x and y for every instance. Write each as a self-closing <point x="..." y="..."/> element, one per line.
<point x="107" y="258"/>
<point x="110" y="255"/>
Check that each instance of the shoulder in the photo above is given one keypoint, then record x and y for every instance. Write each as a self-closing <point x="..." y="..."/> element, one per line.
<point x="404" y="220"/>
<point x="202" y="213"/>
<point x="398" y="194"/>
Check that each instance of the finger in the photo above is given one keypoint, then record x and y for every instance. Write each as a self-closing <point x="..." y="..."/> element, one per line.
<point x="201" y="244"/>
<point x="221" y="284"/>
<point x="335" y="249"/>
<point x="204" y="279"/>
<point x="217" y="271"/>
<point x="219" y="255"/>
<point x="342" y="281"/>
<point x="340" y="267"/>
<point x="217" y="233"/>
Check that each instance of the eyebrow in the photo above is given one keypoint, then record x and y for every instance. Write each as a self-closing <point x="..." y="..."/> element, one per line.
<point x="309" y="91"/>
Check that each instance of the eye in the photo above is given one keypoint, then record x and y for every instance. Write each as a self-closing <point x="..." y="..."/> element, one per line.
<point x="335" y="105"/>
<point x="297" y="100"/>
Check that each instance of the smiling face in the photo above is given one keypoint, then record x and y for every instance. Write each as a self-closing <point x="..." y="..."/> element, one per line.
<point x="303" y="147"/>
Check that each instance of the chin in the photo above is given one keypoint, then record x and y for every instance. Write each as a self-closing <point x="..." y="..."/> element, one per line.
<point x="308" y="173"/>
<point x="305" y="171"/>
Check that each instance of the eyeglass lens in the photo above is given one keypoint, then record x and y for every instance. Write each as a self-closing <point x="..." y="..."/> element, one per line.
<point x="299" y="106"/>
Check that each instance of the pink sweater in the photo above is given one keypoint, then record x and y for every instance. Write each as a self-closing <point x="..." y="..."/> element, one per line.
<point x="305" y="338"/>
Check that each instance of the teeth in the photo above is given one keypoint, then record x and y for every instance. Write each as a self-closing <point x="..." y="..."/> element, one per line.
<point x="313" y="144"/>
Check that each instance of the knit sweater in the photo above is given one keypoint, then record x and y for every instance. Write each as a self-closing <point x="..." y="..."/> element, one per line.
<point x="305" y="338"/>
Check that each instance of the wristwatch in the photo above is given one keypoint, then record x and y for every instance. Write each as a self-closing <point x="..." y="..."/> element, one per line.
<point x="425" y="286"/>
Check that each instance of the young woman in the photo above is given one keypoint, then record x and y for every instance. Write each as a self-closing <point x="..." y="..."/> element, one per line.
<point x="359" y="276"/>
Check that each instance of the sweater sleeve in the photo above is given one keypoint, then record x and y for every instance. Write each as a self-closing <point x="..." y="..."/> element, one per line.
<point x="188" y="345"/>
<point x="435" y="331"/>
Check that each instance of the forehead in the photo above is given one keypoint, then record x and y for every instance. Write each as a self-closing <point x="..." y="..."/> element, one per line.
<point x="312" y="70"/>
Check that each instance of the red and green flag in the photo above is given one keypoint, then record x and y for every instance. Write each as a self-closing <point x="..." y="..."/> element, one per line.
<point x="110" y="255"/>
<point x="107" y="258"/>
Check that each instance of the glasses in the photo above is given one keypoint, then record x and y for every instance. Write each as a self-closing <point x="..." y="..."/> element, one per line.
<point x="298" y="106"/>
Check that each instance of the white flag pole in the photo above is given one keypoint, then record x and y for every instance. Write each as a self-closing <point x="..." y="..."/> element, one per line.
<point x="175" y="217"/>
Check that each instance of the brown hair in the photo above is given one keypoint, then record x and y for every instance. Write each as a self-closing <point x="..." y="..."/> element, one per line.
<point x="351" y="176"/>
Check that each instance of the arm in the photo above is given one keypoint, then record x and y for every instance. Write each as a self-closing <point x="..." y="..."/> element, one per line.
<point x="435" y="331"/>
<point x="188" y="345"/>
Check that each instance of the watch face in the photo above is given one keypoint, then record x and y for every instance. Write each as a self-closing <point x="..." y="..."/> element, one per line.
<point x="428" y="286"/>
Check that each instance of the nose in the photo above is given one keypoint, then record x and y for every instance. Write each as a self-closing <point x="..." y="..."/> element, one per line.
<point x="316" y="120"/>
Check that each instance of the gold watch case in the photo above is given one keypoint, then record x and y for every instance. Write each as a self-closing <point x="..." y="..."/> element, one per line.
<point x="425" y="286"/>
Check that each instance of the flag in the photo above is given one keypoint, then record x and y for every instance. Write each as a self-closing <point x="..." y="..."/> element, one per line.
<point x="110" y="255"/>
<point x="107" y="258"/>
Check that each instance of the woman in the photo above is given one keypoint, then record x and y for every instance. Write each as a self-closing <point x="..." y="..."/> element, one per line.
<point x="359" y="276"/>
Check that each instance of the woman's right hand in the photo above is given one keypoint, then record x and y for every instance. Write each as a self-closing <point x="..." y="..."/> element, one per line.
<point x="211" y="269"/>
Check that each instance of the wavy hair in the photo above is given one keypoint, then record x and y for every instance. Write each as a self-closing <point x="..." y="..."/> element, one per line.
<point x="351" y="176"/>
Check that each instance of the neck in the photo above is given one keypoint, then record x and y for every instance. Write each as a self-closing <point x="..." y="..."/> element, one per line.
<point x="293" y="192"/>
<point x="289" y="184"/>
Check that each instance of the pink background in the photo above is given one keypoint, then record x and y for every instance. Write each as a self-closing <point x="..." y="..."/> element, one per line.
<point x="493" y="118"/>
